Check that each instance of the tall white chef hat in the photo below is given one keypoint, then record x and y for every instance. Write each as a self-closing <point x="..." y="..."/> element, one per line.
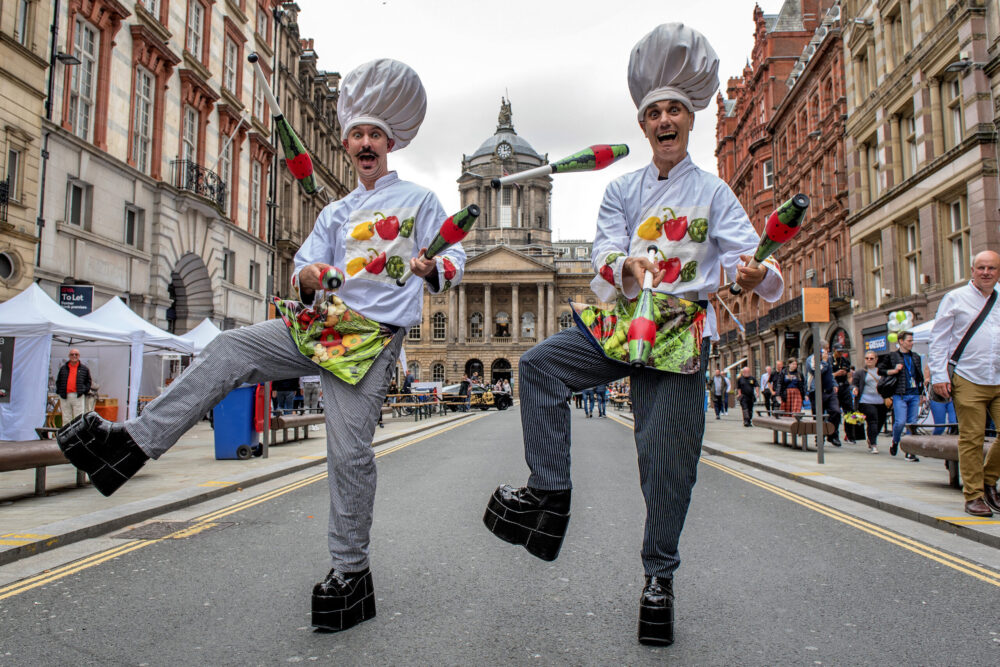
<point x="673" y="62"/>
<point x="385" y="93"/>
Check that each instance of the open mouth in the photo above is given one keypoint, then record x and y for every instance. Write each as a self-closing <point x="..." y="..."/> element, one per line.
<point x="367" y="160"/>
<point x="666" y="136"/>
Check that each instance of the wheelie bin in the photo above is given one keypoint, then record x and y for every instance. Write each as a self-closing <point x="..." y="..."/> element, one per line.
<point x="235" y="428"/>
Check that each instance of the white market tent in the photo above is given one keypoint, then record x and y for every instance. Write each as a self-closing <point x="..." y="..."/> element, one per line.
<point x="35" y="321"/>
<point x="144" y="337"/>
<point x="203" y="334"/>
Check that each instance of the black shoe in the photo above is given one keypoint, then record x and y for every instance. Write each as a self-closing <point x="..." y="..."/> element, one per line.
<point x="835" y="442"/>
<point x="656" y="612"/>
<point x="343" y="600"/>
<point x="102" y="449"/>
<point x="992" y="497"/>
<point x="910" y="458"/>
<point x="533" y="518"/>
<point x="893" y="448"/>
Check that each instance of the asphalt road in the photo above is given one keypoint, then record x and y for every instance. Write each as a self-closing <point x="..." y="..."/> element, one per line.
<point x="765" y="579"/>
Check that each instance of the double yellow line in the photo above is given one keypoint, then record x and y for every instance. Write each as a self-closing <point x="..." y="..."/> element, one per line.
<point x="955" y="563"/>
<point x="201" y="523"/>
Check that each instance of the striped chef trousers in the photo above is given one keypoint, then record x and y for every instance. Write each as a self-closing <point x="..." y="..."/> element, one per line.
<point x="265" y="352"/>
<point x="669" y="426"/>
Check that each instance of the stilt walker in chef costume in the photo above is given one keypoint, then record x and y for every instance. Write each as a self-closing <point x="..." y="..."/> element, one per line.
<point x="352" y="337"/>
<point x="697" y="226"/>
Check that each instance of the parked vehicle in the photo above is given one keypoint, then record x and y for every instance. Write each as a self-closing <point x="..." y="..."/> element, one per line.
<point x="485" y="398"/>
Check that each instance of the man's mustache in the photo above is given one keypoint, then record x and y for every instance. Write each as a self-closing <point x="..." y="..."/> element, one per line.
<point x="366" y="152"/>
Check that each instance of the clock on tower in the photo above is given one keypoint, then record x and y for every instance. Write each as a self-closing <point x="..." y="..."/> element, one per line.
<point x="504" y="150"/>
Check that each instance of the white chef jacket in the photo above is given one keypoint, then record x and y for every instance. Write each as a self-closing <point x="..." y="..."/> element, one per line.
<point x="375" y="295"/>
<point x="687" y="191"/>
<point x="980" y="362"/>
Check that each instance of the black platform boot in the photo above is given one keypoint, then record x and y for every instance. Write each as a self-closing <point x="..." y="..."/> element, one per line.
<point x="529" y="517"/>
<point x="656" y="612"/>
<point x="343" y="600"/>
<point x="102" y="449"/>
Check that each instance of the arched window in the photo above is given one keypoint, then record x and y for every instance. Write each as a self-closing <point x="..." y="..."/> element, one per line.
<point x="437" y="372"/>
<point x="476" y="326"/>
<point x="414" y="333"/>
<point x="438" y="322"/>
<point x="565" y="321"/>
<point x="414" y="368"/>
<point x="528" y="325"/>
<point x="502" y="325"/>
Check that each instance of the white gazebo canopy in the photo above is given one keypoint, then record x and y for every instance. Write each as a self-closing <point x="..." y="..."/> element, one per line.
<point x="203" y="334"/>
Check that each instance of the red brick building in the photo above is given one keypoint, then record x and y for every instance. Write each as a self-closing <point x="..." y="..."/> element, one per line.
<point x="746" y="147"/>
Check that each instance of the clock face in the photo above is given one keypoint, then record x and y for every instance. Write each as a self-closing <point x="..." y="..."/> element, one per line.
<point x="504" y="150"/>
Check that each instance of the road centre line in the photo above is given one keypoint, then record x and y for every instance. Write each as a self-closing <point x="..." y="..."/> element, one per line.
<point x="201" y="523"/>
<point x="919" y="548"/>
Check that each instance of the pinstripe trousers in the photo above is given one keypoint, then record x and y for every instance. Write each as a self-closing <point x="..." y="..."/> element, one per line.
<point x="669" y="427"/>
<point x="265" y="352"/>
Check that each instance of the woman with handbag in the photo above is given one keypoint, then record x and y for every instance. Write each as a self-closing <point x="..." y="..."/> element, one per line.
<point x="791" y="386"/>
<point x="870" y="403"/>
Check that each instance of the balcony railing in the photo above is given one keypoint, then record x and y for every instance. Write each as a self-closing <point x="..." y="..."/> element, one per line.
<point x="4" y="192"/>
<point x="841" y="289"/>
<point x="191" y="176"/>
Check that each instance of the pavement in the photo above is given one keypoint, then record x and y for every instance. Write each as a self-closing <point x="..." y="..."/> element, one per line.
<point x="189" y="474"/>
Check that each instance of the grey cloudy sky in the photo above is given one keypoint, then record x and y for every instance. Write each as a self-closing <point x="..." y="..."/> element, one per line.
<point x="562" y="63"/>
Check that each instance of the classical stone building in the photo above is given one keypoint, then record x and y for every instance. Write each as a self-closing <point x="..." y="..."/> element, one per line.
<point x="24" y="54"/>
<point x="518" y="282"/>
<point x="308" y="98"/>
<point x="921" y="151"/>
<point x="745" y="140"/>
<point x="159" y="157"/>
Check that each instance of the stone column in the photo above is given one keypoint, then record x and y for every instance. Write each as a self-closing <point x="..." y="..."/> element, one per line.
<point x="866" y="193"/>
<point x="462" y="313"/>
<point x="553" y="326"/>
<point x="487" y="313"/>
<point x="896" y="127"/>
<point x="452" y="330"/>
<point x="515" y="316"/>
<point x="937" y="117"/>
<point x="540" y="330"/>
<point x="907" y="26"/>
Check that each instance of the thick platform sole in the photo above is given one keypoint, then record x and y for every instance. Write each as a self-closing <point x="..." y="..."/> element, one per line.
<point x="108" y="470"/>
<point x="333" y="613"/>
<point x="539" y="531"/>
<point x="656" y="625"/>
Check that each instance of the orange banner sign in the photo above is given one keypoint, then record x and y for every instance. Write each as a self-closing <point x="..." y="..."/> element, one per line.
<point x="815" y="304"/>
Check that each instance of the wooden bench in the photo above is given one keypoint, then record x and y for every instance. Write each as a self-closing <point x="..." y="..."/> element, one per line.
<point x="293" y="422"/>
<point x="944" y="446"/>
<point x="796" y="424"/>
<point x="37" y="454"/>
<point x="620" y="403"/>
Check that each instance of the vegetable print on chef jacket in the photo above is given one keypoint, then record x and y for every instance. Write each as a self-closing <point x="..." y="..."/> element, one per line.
<point x="378" y="245"/>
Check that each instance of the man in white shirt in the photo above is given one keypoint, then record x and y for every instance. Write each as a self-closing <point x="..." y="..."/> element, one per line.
<point x="975" y="384"/>
<point x="765" y="388"/>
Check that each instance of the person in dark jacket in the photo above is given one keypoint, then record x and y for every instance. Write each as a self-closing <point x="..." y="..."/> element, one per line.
<point x="829" y="387"/>
<point x="748" y="389"/>
<point x="904" y="364"/>
<point x="791" y="387"/>
<point x="72" y="383"/>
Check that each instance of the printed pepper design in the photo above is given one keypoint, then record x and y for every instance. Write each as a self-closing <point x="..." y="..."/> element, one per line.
<point x="387" y="228"/>
<point x="406" y="227"/>
<point x="356" y="265"/>
<point x="689" y="272"/>
<point x="363" y="231"/>
<point x="650" y="229"/>
<point x="376" y="263"/>
<point x="395" y="266"/>
<point x="671" y="267"/>
<point x="698" y="230"/>
<point x="674" y="228"/>
<point x="607" y="272"/>
<point x="449" y="268"/>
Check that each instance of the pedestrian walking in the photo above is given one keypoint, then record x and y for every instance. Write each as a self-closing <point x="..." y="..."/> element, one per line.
<point x="905" y="365"/>
<point x="463" y="390"/>
<point x="283" y="393"/>
<point x="774" y="382"/>
<point x="380" y="107"/>
<point x="842" y="375"/>
<point x="748" y="389"/>
<point x="672" y="73"/>
<point x="828" y="388"/>
<point x="765" y="388"/>
<point x="73" y="383"/>
<point x="719" y="386"/>
<point x="311" y="390"/>
<point x="791" y="386"/>
<point x="870" y="403"/>
<point x="601" y="394"/>
<point x="588" y="402"/>
<point x="963" y="366"/>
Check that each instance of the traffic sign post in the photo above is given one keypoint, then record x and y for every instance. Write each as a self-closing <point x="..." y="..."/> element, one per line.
<point x="816" y="309"/>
